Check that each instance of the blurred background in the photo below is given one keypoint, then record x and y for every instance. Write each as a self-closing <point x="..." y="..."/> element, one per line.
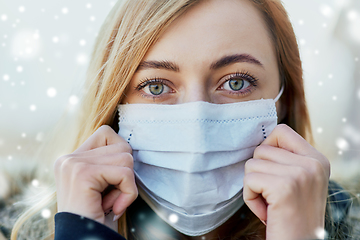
<point x="45" y="48"/>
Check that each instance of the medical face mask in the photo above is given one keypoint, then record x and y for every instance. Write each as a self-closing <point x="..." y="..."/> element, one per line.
<point x="189" y="158"/>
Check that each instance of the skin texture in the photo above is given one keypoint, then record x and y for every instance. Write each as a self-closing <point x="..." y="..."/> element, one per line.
<point x="285" y="182"/>
<point x="202" y="36"/>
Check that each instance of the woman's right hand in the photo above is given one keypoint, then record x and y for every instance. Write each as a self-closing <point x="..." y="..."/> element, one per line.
<point x="104" y="159"/>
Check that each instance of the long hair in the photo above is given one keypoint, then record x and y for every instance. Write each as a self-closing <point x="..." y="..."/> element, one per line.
<point x="130" y="29"/>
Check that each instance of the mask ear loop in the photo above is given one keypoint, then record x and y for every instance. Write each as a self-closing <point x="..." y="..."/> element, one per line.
<point x="280" y="93"/>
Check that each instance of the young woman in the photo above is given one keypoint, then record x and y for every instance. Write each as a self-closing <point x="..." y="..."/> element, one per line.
<point x="193" y="66"/>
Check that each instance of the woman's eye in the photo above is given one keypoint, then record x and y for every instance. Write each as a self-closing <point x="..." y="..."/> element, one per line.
<point x="236" y="84"/>
<point x="155" y="88"/>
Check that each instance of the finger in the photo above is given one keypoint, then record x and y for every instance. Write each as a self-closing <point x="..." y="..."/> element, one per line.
<point x="123" y="159"/>
<point x="282" y="156"/>
<point x="267" y="167"/>
<point x="120" y="147"/>
<point x="110" y="198"/>
<point x="252" y="195"/>
<point x="121" y="177"/>
<point x="83" y="166"/>
<point x="103" y="136"/>
<point x="284" y="137"/>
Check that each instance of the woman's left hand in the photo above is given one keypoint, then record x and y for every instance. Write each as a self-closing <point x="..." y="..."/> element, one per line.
<point x="286" y="185"/>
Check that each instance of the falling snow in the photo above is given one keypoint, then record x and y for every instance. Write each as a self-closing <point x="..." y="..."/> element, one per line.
<point x="21" y="9"/>
<point x="326" y="10"/>
<point x="65" y="11"/>
<point x="321" y="233"/>
<point x="32" y="107"/>
<point x="173" y="218"/>
<point x="46" y="213"/>
<point x="81" y="59"/>
<point x="51" y="92"/>
<point x="352" y="15"/>
<point x="342" y="144"/>
<point x="38" y="57"/>
<point x="82" y="42"/>
<point x="35" y="182"/>
<point x="55" y="39"/>
<point x="73" y="100"/>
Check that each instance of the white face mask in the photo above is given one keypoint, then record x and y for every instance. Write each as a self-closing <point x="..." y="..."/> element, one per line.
<point x="189" y="158"/>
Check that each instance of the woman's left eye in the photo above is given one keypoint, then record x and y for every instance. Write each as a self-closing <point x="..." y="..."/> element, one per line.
<point x="238" y="82"/>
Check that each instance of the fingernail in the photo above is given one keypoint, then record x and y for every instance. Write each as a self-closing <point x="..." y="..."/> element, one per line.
<point x="116" y="217"/>
<point x="264" y="222"/>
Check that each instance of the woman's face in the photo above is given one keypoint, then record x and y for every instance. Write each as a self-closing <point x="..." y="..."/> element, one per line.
<point x="219" y="51"/>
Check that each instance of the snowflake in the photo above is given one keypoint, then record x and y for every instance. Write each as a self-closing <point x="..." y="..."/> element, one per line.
<point x="51" y="92"/>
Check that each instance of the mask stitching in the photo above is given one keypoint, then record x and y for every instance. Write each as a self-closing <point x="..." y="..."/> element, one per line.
<point x="123" y="120"/>
<point x="264" y="131"/>
<point x="130" y="135"/>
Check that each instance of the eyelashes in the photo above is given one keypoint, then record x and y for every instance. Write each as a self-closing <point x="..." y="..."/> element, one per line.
<point x="238" y="83"/>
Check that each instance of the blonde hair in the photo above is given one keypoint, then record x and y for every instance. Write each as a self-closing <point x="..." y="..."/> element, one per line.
<point x="128" y="32"/>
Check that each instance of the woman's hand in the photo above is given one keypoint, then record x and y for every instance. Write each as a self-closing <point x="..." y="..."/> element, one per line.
<point x="104" y="159"/>
<point x="286" y="185"/>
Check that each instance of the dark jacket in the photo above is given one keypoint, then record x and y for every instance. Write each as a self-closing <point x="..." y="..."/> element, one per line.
<point x="70" y="226"/>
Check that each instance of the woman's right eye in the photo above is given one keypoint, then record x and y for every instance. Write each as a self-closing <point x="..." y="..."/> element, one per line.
<point x="154" y="87"/>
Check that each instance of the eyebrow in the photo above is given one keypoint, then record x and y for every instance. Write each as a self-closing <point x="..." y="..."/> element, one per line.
<point x="167" y="65"/>
<point x="223" y="62"/>
<point x="235" y="58"/>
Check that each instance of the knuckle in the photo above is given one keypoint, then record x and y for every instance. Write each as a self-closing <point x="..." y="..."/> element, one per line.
<point x="135" y="193"/>
<point x="249" y="164"/>
<point x="80" y="169"/>
<point x="128" y="159"/>
<point x="281" y="128"/>
<point x="259" y="151"/>
<point x="127" y="148"/>
<point x="289" y="187"/>
<point x="247" y="179"/>
<point x="320" y="172"/>
<point x="124" y="147"/>
<point x="104" y="130"/>
<point x="61" y="161"/>
<point x="128" y="172"/>
<point x="301" y="176"/>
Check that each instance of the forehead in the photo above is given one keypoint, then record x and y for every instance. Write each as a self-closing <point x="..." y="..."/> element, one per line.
<point x="214" y="28"/>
